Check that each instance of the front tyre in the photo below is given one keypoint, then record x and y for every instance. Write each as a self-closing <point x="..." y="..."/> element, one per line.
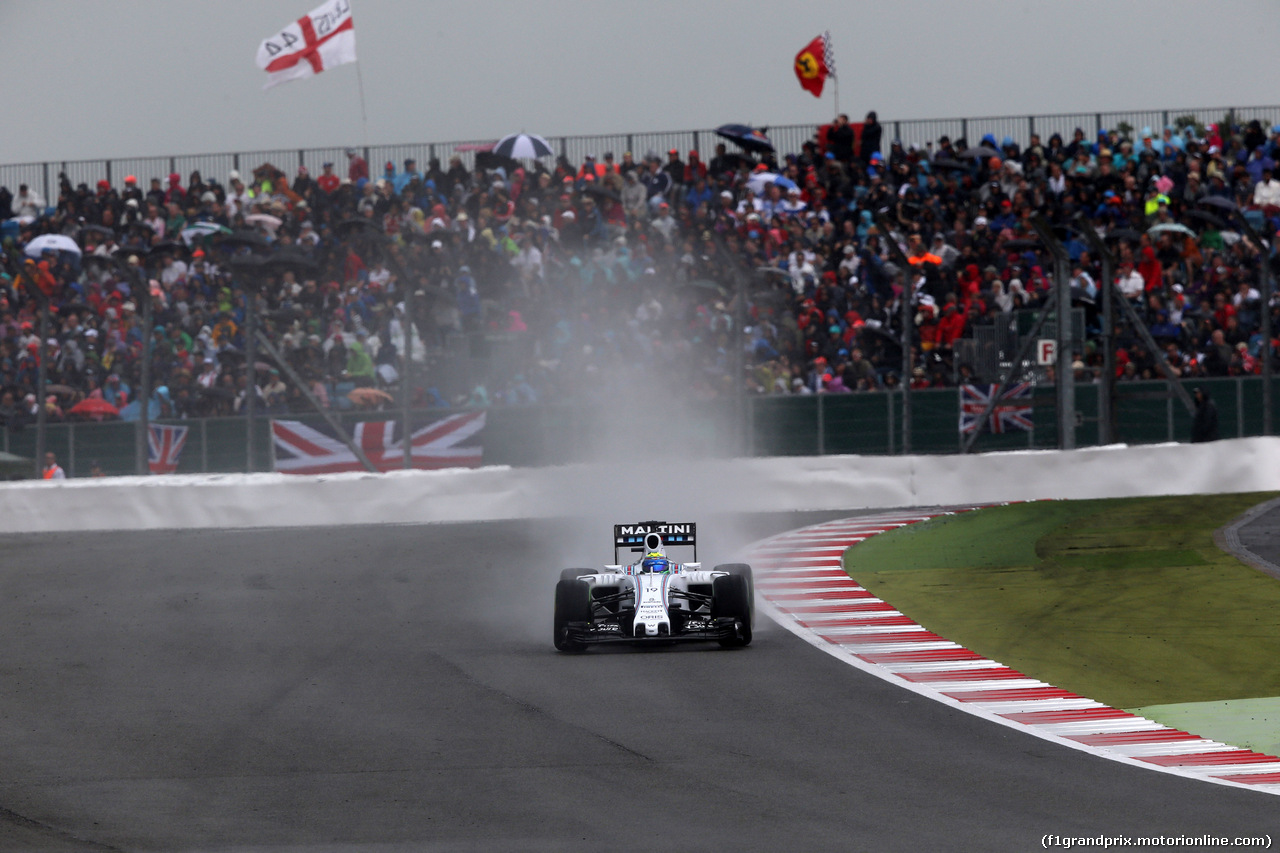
<point x="573" y="605"/>
<point x="731" y="610"/>
<point x="744" y="570"/>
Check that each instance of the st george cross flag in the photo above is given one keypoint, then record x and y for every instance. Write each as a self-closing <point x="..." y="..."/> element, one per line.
<point x="304" y="449"/>
<point x="322" y="39"/>
<point x="814" y="64"/>
<point x="165" y="446"/>
<point x="1012" y="411"/>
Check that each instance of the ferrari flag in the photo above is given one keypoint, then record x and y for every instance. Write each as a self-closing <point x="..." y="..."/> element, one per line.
<point x="814" y="64"/>
<point x="1011" y="412"/>
<point x="322" y="39"/>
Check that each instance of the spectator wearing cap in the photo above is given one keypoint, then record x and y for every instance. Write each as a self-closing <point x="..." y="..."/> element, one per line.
<point x="327" y="181"/>
<point x="131" y="190"/>
<point x="675" y="168"/>
<point x="407" y="177"/>
<point x="590" y="169"/>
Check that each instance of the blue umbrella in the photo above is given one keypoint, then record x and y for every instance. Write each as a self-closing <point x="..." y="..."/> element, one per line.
<point x="760" y="180"/>
<point x="749" y="138"/>
<point x="133" y="411"/>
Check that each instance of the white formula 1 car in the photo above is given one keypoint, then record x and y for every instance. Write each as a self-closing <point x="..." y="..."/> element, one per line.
<point x="654" y="599"/>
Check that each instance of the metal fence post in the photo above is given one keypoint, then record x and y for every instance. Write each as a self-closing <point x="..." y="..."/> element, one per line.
<point x="888" y="398"/>
<point x="1168" y="416"/>
<point x="71" y="450"/>
<point x="822" y="426"/>
<point x="204" y="445"/>
<point x="1239" y="407"/>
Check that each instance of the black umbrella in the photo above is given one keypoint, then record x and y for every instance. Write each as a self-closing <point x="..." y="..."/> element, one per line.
<point x="1122" y="234"/>
<point x="978" y="151"/>
<point x="750" y="138"/>
<point x="360" y="225"/>
<point x="97" y="229"/>
<point x="218" y="393"/>
<point x="1021" y="245"/>
<point x="948" y="163"/>
<point x="1219" y="201"/>
<point x="601" y="191"/>
<point x="1206" y="217"/>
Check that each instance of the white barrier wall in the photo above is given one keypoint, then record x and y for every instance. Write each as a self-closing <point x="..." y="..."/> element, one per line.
<point x="626" y="491"/>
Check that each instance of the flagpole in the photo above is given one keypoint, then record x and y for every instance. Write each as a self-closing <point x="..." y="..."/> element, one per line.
<point x="830" y="59"/>
<point x="364" y="115"/>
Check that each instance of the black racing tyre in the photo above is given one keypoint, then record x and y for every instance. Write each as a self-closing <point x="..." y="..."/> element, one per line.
<point x="731" y="599"/>
<point x="574" y="574"/>
<point x="573" y="604"/>
<point x="744" y="570"/>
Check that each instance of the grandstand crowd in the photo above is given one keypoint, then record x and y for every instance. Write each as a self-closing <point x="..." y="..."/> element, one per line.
<point x="557" y="274"/>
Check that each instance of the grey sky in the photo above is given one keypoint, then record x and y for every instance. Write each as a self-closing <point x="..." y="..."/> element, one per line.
<point x="90" y="79"/>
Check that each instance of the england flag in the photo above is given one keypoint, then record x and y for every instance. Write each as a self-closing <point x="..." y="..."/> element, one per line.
<point x="321" y="39"/>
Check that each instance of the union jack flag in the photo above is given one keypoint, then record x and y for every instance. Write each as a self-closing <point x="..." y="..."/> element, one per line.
<point x="1012" y="411"/>
<point x="303" y="449"/>
<point x="165" y="446"/>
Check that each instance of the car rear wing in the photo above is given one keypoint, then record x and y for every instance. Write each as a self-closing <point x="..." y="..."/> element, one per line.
<point x="632" y="536"/>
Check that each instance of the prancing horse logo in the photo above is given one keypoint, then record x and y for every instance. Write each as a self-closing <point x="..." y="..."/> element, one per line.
<point x="806" y="65"/>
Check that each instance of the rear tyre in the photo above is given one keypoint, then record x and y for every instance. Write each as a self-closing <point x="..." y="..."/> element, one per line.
<point x="731" y="600"/>
<point x="574" y="574"/>
<point x="573" y="604"/>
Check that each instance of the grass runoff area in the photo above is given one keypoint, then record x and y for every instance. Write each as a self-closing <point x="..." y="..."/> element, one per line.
<point x="1127" y="601"/>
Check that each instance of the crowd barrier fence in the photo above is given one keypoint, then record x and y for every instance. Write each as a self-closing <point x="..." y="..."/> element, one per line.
<point x="867" y="424"/>
<point x="786" y="138"/>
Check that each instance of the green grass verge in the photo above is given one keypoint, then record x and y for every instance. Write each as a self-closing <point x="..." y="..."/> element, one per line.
<point x="1126" y="601"/>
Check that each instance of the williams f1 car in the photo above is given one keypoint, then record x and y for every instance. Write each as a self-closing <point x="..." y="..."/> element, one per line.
<point x="655" y="599"/>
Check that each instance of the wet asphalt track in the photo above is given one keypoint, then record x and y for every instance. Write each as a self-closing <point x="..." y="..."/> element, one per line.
<point x="395" y="689"/>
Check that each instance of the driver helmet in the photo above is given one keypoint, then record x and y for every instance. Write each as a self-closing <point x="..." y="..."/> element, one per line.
<point x="655" y="563"/>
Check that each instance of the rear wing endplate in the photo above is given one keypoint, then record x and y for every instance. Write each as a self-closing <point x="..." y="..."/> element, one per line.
<point x="631" y="536"/>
